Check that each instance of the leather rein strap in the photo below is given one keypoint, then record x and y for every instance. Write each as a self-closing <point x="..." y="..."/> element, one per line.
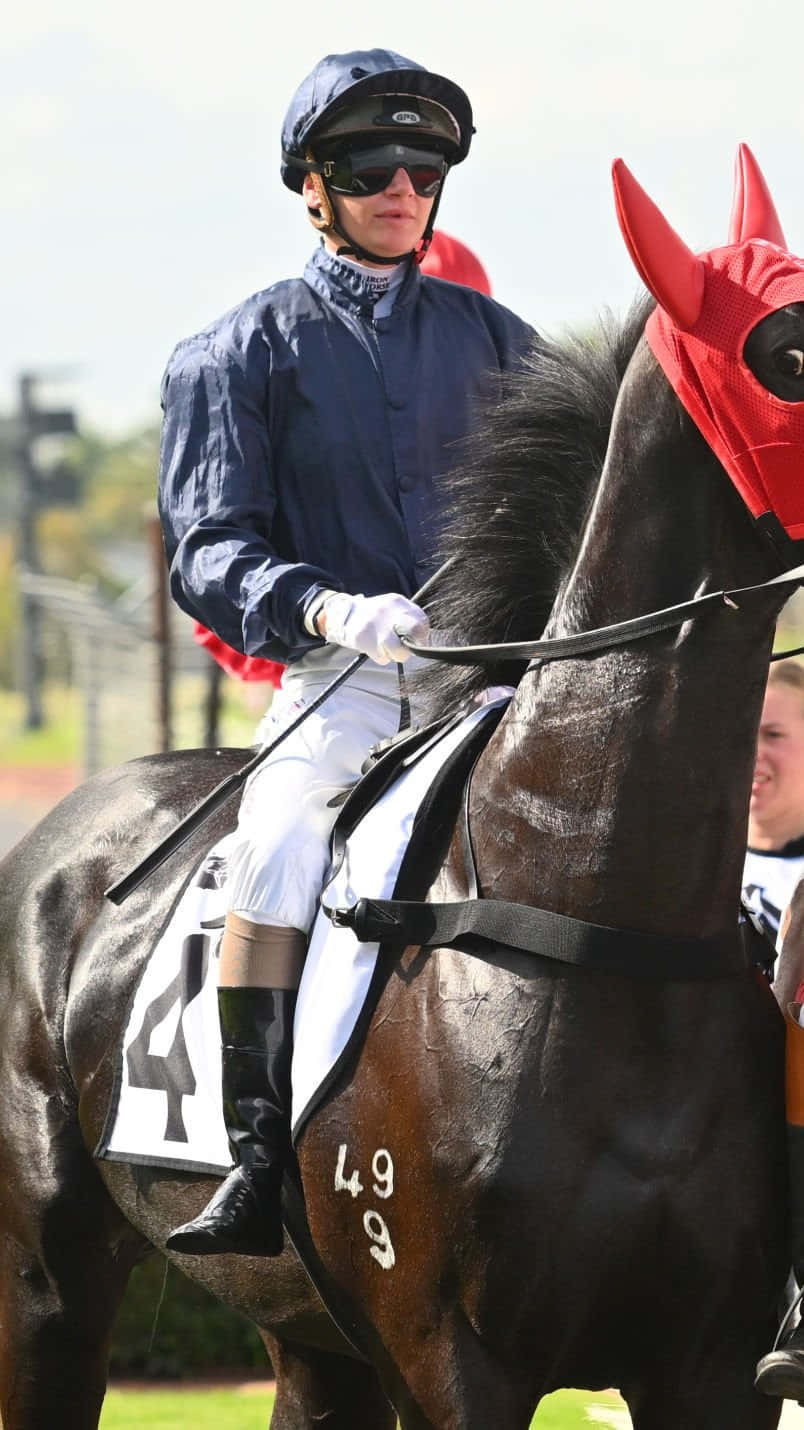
<point x="604" y="637"/>
<point x="397" y="923"/>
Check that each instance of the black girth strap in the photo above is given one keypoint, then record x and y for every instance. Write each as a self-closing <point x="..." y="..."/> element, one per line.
<point x="396" y="923"/>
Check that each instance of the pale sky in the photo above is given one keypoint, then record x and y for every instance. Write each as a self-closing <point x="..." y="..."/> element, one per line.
<point x="139" y="186"/>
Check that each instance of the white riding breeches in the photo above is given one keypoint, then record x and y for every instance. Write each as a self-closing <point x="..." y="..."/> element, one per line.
<point x="278" y="863"/>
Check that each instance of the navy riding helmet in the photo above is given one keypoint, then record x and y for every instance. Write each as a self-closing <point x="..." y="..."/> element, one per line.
<point x="331" y="102"/>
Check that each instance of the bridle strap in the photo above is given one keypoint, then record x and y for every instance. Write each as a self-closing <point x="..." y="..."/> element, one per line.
<point x="788" y="654"/>
<point x="603" y="637"/>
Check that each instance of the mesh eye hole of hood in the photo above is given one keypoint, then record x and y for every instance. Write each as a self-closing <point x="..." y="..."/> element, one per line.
<point x="773" y="338"/>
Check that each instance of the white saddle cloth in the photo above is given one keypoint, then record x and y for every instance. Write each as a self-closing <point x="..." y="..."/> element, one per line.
<point x="167" y="1106"/>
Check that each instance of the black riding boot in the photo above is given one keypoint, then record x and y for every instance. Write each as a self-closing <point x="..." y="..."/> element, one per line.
<point x="245" y="1214"/>
<point x="781" y="1372"/>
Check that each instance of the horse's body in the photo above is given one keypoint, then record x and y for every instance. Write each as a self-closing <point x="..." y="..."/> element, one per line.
<point x="534" y="1176"/>
<point x="73" y="1229"/>
<point x="591" y="1182"/>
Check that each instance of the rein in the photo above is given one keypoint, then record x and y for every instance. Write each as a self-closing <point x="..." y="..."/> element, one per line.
<point x="560" y="648"/>
<point x="399" y="923"/>
<point x="605" y="637"/>
<point x="118" y="892"/>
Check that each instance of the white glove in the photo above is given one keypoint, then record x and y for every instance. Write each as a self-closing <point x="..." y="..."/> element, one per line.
<point x="369" y="624"/>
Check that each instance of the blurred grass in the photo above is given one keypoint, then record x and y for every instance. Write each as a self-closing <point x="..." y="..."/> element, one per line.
<point x="248" y="1409"/>
<point x="566" y="1410"/>
<point x="61" y="739"/>
<point x="242" y="706"/>
<point x="233" y="1409"/>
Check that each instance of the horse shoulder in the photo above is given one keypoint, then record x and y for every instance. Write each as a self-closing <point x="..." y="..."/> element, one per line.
<point x="70" y="959"/>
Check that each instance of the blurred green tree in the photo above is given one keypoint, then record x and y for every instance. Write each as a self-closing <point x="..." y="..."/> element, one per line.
<point x="170" y="1327"/>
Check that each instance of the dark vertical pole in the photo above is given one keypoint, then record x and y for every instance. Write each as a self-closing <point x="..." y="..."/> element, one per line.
<point x="162" y="637"/>
<point x="28" y="497"/>
<point x="212" y="704"/>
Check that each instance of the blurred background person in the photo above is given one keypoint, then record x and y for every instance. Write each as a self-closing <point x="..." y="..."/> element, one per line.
<point x="448" y="258"/>
<point x="775" y="858"/>
<point x="774" y="867"/>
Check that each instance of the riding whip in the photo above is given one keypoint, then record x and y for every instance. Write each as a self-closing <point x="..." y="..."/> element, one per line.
<point x="119" y="892"/>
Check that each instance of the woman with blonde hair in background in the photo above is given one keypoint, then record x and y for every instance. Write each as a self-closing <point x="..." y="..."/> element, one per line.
<point x="775" y="859"/>
<point x="774" y="867"/>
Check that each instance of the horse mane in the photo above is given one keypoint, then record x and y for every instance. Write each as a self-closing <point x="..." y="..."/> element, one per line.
<point x="516" y="503"/>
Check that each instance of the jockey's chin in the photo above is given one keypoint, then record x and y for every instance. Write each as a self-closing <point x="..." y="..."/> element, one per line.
<point x="388" y="223"/>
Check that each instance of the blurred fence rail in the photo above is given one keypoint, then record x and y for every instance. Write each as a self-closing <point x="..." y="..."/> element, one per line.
<point x="143" y="682"/>
<point x="130" y="671"/>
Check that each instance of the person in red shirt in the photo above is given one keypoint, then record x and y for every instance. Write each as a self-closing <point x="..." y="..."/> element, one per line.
<point x="448" y="258"/>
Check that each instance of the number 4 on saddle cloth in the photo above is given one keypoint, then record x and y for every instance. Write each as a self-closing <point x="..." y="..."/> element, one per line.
<point x="166" y="1105"/>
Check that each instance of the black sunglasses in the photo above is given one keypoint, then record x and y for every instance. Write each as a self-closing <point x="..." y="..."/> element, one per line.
<point x="361" y="172"/>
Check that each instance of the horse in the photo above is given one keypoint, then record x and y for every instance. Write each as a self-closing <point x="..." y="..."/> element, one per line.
<point x="534" y="1174"/>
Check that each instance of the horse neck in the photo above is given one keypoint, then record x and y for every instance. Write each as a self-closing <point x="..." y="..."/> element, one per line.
<point x="616" y="788"/>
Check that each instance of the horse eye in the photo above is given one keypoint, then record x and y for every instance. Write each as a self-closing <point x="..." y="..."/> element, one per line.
<point x="790" y="362"/>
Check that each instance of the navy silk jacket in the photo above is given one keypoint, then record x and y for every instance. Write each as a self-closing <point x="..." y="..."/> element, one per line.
<point x="302" y="443"/>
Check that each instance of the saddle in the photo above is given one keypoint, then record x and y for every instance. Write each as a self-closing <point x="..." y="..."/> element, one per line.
<point x="389" y="760"/>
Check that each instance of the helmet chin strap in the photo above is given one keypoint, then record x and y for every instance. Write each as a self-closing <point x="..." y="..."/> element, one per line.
<point x="322" y="217"/>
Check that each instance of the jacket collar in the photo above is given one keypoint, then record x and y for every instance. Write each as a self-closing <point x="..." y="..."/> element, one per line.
<point x="344" y="286"/>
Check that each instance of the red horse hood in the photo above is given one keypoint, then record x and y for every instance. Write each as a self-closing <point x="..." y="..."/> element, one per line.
<point x="759" y="438"/>
<point x="708" y="305"/>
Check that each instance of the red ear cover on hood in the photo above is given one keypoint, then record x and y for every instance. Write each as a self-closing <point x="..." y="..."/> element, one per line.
<point x="753" y="212"/>
<point x="672" y="272"/>
<point x="707" y="306"/>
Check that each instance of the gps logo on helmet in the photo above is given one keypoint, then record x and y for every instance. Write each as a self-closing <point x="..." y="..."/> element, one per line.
<point x="406" y="116"/>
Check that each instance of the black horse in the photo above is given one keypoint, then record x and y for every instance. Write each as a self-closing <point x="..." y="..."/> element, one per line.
<point x="568" y="1177"/>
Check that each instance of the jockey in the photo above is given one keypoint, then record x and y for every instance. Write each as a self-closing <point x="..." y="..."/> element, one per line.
<point x="303" y="436"/>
